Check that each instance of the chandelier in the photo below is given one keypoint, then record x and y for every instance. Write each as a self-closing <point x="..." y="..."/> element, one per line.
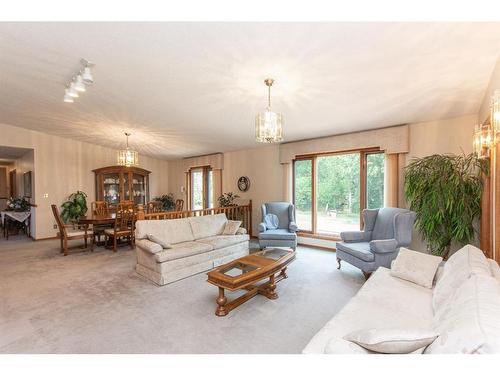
<point x="269" y="124"/>
<point x="128" y="157"/>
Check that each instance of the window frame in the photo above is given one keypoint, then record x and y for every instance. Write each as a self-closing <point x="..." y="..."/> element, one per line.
<point x="363" y="153"/>
<point x="206" y="191"/>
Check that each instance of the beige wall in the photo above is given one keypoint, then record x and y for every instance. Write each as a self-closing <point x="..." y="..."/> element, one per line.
<point x="62" y="166"/>
<point x="494" y="84"/>
<point x="262" y="167"/>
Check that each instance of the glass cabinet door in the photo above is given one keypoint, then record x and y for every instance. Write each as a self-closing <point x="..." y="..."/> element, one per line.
<point x="139" y="189"/>
<point x="126" y="186"/>
<point x="111" y="185"/>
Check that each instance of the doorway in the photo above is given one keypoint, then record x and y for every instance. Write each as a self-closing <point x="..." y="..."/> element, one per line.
<point x="200" y="185"/>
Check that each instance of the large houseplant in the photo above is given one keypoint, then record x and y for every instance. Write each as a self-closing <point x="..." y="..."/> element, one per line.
<point x="445" y="192"/>
<point x="167" y="201"/>
<point x="74" y="207"/>
<point x="227" y="199"/>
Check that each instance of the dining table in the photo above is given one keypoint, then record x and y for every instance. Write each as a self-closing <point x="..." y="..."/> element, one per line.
<point x="106" y="220"/>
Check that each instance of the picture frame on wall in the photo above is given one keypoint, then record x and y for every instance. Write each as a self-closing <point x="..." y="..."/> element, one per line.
<point x="27" y="184"/>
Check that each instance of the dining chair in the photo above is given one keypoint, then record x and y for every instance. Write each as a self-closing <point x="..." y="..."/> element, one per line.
<point x="179" y="205"/>
<point x="125" y="205"/>
<point x="67" y="233"/>
<point x="99" y="208"/>
<point x="154" y="206"/>
<point x="124" y="227"/>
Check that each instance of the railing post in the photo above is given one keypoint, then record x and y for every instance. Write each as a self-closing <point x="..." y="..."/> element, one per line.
<point x="140" y="212"/>
<point x="250" y="218"/>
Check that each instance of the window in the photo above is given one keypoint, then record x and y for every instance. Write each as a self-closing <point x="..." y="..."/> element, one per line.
<point x="200" y="188"/>
<point x="330" y="191"/>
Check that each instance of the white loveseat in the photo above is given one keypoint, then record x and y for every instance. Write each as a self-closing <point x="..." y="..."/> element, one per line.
<point x="463" y="307"/>
<point x="197" y="245"/>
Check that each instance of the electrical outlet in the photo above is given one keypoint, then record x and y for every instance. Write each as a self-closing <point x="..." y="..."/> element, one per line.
<point x="55" y="226"/>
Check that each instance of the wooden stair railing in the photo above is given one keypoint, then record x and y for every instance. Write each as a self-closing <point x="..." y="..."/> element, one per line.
<point x="241" y="212"/>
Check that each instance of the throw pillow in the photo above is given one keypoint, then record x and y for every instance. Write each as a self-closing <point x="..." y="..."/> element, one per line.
<point x="392" y="340"/>
<point x="160" y="242"/>
<point x="419" y="268"/>
<point x="271" y="221"/>
<point x="231" y="227"/>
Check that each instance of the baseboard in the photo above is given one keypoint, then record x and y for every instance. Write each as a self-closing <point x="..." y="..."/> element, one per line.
<point x="45" y="239"/>
<point x="331" y="249"/>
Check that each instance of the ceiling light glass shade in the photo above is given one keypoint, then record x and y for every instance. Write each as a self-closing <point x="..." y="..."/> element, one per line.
<point x="269" y="127"/>
<point x="72" y="90"/>
<point x="495" y="112"/>
<point x="79" y="85"/>
<point x="269" y="124"/>
<point x="68" y="99"/>
<point x="128" y="158"/>
<point x="87" y="76"/>
<point x="483" y="140"/>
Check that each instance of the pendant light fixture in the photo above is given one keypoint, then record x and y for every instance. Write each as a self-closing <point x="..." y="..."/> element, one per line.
<point x="128" y="157"/>
<point x="269" y="124"/>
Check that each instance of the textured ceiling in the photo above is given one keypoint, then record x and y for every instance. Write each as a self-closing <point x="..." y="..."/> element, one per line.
<point x="187" y="89"/>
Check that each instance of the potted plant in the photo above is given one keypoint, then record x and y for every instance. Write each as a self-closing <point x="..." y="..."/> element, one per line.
<point x="167" y="201"/>
<point x="74" y="207"/>
<point x="227" y="199"/>
<point x="18" y="205"/>
<point x="445" y="192"/>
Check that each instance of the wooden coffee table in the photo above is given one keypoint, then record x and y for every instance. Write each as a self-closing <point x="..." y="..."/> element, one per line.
<point x="246" y="272"/>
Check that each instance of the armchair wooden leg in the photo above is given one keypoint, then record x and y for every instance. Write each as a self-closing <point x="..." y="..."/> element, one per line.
<point x="338" y="261"/>
<point x="65" y="246"/>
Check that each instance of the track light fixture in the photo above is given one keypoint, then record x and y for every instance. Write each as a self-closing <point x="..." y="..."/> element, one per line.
<point x="79" y="82"/>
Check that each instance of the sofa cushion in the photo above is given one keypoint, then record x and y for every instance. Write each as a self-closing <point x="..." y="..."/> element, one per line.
<point x="182" y="250"/>
<point x="208" y="225"/>
<point x="470" y="321"/>
<point x="360" y="250"/>
<point x="218" y="242"/>
<point x="467" y="261"/>
<point x="277" y="234"/>
<point x="159" y="241"/>
<point x="495" y="269"/>
<point x="392" y="340"/>
<point x="416" y="267"/>
<point x="383" y="302"/>
<point x="170" y="231"/>
<point x="231" y="227"/>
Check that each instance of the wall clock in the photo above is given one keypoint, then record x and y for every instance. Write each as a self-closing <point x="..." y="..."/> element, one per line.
<point x="243" y="183"/>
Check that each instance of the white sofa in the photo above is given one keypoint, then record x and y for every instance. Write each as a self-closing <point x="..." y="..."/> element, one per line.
<point x="197" y="246"/>
<point x="463" y="307"/>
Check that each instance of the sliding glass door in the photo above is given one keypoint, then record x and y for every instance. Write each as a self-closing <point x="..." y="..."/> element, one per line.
<point x="331" y="190"/>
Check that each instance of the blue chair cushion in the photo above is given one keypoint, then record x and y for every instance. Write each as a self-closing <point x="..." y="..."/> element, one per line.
<point x="277" y="234"/>
<point x="271" y="221"/>
<point x="360" y="250"/>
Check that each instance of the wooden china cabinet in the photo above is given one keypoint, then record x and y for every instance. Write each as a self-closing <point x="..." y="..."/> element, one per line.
<point x="119" y="183"/>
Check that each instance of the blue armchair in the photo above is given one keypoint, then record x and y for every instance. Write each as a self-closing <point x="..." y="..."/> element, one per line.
<point x="385" y="231"/>
<point x="284" y="235"/>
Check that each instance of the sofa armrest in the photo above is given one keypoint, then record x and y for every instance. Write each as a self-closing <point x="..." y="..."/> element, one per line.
<point x="292" y="227"/>
<point x="149" y="246"/>
<point x="383" y="246"/>
<point x="355" y="236"/>
<point x="241" y="231"/>
<point x="262" y="227"/>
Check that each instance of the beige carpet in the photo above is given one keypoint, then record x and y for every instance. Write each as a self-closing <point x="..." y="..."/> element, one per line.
<point x="96" y="303"/>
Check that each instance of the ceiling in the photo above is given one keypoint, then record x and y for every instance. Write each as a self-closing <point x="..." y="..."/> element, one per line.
<point x="185" y="89"/>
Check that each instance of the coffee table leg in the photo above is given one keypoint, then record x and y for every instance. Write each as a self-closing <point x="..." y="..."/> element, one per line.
<point x="283" y="274"/>
<point x="221" y="302"/>
<point x="272" y="288"/>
